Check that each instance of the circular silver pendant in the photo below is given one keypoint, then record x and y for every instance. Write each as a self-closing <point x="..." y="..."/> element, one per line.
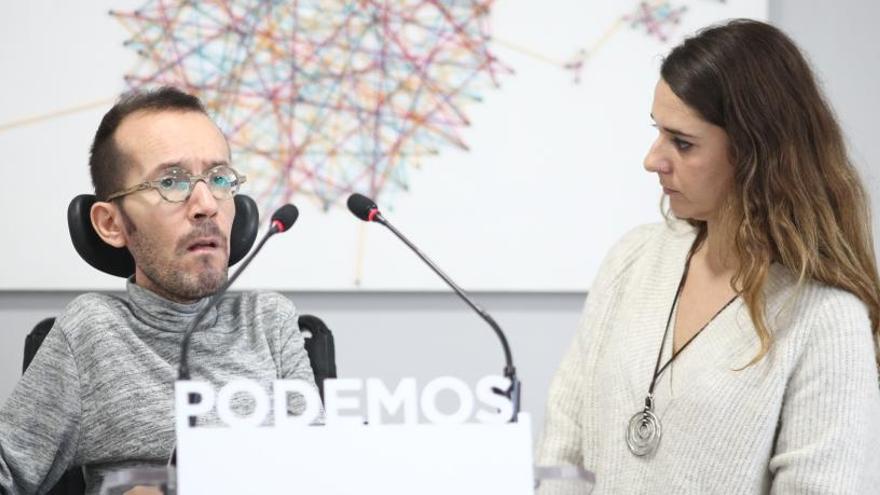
<point x="643" y="433"/>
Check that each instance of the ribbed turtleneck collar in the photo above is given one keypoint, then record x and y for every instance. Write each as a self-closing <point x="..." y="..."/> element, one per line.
<point x="162" y="314"/>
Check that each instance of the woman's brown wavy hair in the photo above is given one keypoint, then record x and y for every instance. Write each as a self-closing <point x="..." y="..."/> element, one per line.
<point x="797" y="199"/>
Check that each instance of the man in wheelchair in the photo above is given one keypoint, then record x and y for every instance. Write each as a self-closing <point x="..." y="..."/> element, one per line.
<point x="99" y="393"/>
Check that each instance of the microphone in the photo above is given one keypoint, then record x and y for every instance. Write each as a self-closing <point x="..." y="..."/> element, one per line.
<point x="282" y="219"/>
<point x="365" y="209"/>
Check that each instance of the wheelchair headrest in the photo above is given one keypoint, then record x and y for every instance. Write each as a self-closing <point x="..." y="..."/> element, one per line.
<point x="118" y="261"/>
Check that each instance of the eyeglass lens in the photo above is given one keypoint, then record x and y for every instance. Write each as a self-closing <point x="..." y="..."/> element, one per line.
<point x="177" y="184"/>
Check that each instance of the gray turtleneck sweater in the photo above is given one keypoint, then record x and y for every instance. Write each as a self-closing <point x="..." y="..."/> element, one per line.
<point x="99" y="393"/>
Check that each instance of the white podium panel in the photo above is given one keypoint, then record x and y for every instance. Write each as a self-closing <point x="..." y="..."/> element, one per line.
<point x="349" y="459"/>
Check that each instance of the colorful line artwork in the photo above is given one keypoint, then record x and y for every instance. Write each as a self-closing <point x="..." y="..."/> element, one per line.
<point x="657" y="18"/>
<point x="320" y="98"/>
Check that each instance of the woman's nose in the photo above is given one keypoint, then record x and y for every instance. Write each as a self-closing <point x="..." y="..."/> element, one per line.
<point x="656" y="160"/>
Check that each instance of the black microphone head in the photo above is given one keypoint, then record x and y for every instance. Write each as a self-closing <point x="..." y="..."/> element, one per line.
<point x="362" y="207"/>
<point x="284" y="217"/>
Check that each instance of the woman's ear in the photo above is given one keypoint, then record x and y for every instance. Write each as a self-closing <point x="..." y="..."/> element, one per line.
<point x="107" y="222"/>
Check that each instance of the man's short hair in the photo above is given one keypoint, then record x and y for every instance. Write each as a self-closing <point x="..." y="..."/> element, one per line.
<point x="106" y="161"/>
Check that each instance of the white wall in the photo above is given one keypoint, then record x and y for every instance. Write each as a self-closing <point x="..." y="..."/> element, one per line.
<point x="390" y="335"/>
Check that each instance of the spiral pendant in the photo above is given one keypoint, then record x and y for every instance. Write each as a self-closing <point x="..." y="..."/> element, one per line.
<point x="643" y="433"/>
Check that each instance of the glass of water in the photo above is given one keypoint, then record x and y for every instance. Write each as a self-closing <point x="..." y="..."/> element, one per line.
<point x="141" y="481"/>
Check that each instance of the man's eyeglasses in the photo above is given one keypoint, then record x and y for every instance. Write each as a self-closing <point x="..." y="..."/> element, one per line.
<point x="176" y="184"/>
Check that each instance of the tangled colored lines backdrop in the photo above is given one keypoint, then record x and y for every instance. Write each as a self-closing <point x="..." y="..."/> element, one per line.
<point x="505" y="136"/>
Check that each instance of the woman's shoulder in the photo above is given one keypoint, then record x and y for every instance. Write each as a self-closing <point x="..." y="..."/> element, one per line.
<point x="812" y="299"/>
<point x="814" y="311"/>
<point x="649" y="239"/>
<point x="653" y="240"/>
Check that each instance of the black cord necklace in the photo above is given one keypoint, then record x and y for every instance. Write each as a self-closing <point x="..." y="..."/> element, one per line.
<point x="644" y="430"/>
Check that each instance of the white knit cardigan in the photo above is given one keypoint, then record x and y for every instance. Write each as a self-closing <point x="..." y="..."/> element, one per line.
<point x="804" y="419"/>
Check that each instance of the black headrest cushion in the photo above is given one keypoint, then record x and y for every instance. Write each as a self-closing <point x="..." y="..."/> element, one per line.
<point x="118" y="261"/>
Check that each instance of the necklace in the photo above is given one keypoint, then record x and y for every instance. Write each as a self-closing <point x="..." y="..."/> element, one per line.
<point x="644" y="430"/>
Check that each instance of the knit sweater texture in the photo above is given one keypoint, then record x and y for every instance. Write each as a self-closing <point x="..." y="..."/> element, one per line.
<point x="99" y="392"/>
<point x="804" y="419"/>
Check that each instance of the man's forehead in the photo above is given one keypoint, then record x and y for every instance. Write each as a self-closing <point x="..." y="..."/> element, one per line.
<point x="186" y="166"/>
<point x="151" y="140"/>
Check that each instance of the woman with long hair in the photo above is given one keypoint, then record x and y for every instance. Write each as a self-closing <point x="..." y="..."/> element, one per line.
<point x="733" y="348"/>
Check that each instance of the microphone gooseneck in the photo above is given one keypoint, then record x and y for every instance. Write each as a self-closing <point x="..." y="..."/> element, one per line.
<point x="365" y="209"/>
<point x="282" y="219"/>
